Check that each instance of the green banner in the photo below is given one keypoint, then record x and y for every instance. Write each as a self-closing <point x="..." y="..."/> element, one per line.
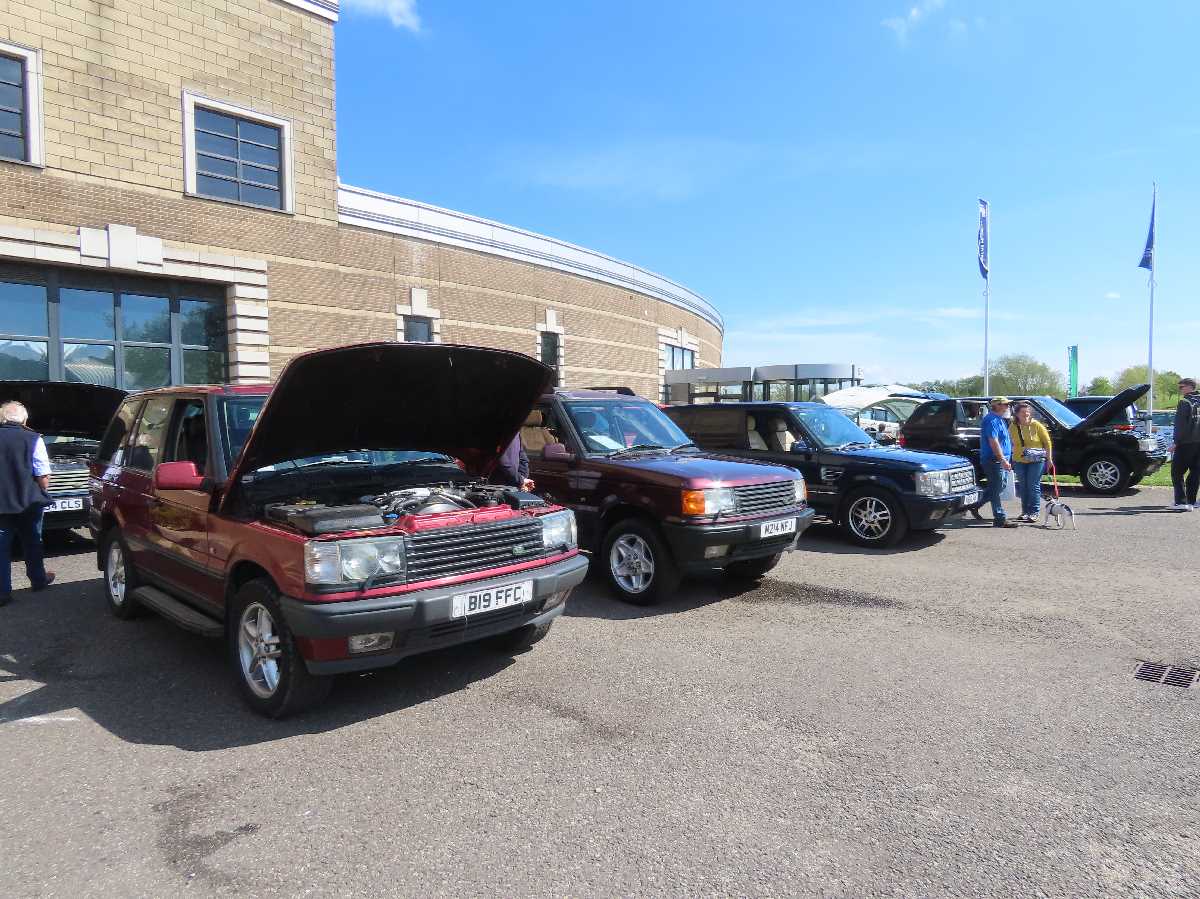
<point x="1072" y="371"/>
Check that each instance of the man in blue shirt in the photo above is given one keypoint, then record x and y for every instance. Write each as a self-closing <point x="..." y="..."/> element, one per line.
<point x="24" y="479"/>
<point x="995" y="455"/>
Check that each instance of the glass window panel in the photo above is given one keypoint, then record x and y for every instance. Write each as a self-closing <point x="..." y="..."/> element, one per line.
<point x="145" y="318"/>
<point x="262" y="155"/>
<point x="201" y="323"/>
<point x="260" y="134"/>
<point x="11" y="121"/>
<point x="24" y="309"/>
<point x="24" y="360"/>
<point x="87" y="363"/>
<point x="147" y="367"/>
<point x="260" y="175"/>
<point x="86" y="313"/>
<point x="215" y="187"/>
<point x="147" y="445"/>
<point x="11" y="70"/>
<point x="12" y="147"/>
<point x="12" y="96"/>
<point x="417" y="329"/>
<point x="203" y="367"/>
<point x="263" y="196"/>
<point x="215" y="121"/>
<point x="212" y="143"/>
<point x="214" y="165"/>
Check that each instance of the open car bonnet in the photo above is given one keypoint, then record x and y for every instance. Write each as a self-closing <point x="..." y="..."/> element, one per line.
<point x="65" y="409"/>
<point x="1106" y="411"/>
<point x="467" y="402"/>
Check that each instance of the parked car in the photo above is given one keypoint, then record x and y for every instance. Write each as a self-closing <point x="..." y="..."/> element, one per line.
<point x="328" y="525"/>
<point x="650" y="504"/>
<point x="71" y="419"/>
<point x="876" y="493"/>
<point x="1164" y="424"/>
<point x="1127" y="418"/>
<point x="1108" y="458"/>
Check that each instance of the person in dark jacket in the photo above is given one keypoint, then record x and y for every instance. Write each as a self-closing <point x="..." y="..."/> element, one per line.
<point x="512" y="470"/>
<point x="1185" y="466"/>
<point x="24" y="479"/>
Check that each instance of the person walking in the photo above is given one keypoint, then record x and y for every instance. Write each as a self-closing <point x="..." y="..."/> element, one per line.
<point x="1033" y="453"/>
<point x="995" y="455"/>
<point x="24" y="479"/>
<point x="1185" y="466"/>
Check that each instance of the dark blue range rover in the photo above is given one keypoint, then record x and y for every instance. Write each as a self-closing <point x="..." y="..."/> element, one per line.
<point x="876" y="493"/>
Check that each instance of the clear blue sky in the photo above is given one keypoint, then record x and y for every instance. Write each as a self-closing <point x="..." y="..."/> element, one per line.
<point x="813" y="168"/>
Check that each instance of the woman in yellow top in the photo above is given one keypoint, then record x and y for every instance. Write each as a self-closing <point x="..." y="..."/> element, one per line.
<point x="1033" y="453"/>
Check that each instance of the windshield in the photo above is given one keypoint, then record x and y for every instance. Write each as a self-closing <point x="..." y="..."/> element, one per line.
<point x="828" y="427"/>
<point x="238" y="415"/>
<point x="609" y="426"/>
<point x="57" y="446"/>
<point x="1057" y="410"/>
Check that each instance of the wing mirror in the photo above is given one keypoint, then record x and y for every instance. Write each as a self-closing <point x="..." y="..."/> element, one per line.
<point x="557" y="452"/>
<point x="178" y="476"/>
<point x="799" y="447"/>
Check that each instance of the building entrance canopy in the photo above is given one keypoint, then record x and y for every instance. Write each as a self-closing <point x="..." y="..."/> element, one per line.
<point x="781" y="383"/>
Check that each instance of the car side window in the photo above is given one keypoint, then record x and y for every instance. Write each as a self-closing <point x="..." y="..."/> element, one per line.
<point x="189" y="437"/>
<point x="718" y="428"/>
<point x="151" y="433"/>
<point x="540" y="429"/>
<point x="112" y="445"/>
<point x="938" y="414"/>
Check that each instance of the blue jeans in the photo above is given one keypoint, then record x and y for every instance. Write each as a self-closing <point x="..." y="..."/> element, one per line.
<point x="997" y="477"/>
<point x="27" y="526"/>
<point x="1029" y="486"/>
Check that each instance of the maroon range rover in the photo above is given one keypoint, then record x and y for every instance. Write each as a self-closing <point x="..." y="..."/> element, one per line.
<point x="650" y="504"/>
<point x="338" y="521"/>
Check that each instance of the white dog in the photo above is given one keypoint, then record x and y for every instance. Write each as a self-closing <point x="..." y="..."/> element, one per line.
<point x="1061" y="513"/>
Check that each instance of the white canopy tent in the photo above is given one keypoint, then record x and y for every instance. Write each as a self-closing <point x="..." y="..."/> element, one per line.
<point x="854" y="398"/>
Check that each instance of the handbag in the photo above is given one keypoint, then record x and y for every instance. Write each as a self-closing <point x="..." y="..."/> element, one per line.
<point x="1030" y="454"/>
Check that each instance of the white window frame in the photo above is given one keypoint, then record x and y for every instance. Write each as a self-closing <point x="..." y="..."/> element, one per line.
<point x="32" y="62"/>
<point x="287" y="187"/>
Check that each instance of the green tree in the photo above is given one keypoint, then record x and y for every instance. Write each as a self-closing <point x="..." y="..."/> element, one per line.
<point x="1100" y="386"/>
<point x="1022" y="375"/>
<point x="1166" y="385"/>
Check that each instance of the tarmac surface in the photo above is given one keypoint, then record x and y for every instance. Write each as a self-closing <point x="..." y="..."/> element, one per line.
<point x="958" y="716"/>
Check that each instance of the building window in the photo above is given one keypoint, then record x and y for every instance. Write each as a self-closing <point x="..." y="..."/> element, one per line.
<point x="20" y="105"/>
<point x="418" y="329"/>
<point x="236" y="155"/>
<point x="677" y="359"/>
<point x="551" y="351"/>
<point x="112" y="331"/>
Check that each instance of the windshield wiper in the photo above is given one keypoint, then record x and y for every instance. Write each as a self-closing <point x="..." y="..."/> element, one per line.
<point x="635" y="447"/>
<point x="687" y="445"/>
<point x="855" y="443"/>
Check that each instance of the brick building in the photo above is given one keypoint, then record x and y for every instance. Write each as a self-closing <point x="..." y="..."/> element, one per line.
<point x="170" y="212"/>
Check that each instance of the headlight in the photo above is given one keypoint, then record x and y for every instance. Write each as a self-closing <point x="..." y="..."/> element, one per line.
<point x="801" y="491"/>
<point x="558" y="530"/>
<point x="714" y="501"/>
<point x="352" y="561"/>
<point x="1148" y="445"/>
<point x="933" y="483"/>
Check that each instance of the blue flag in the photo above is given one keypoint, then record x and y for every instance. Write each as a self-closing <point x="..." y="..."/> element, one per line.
<point x="1148" y="253"/>
<point x="983" y="239"/>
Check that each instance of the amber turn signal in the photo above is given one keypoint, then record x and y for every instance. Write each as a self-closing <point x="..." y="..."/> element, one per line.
<point x="693" y="502"/>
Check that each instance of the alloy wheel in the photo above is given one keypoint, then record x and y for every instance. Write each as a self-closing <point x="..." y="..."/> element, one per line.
<point x="870" y="518"/>
<point x="1103" y="475"/>
<point x="632" y="563"/>
<point x="258" y="650"/>
<point x="114" y="573"/>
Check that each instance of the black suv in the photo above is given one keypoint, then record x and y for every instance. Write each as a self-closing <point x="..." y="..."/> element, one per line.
<point x="1100" y="449"/>
<point x="877" y="493"/>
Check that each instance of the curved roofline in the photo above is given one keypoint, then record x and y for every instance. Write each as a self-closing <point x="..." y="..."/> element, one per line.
<point x="383" y="212"/>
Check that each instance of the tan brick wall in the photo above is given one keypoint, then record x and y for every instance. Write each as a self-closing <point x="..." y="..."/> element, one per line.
<point x="115" y="72"/>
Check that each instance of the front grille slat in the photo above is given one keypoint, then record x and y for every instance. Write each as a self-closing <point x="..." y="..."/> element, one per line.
<point x="434" y="554"/>
<point x="962" y="480"/>
<point x="755" y="498"/>
<point x="68" y="480"/>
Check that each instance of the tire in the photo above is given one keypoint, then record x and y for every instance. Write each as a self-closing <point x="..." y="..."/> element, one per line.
<point x="522" y="638"/>
<point x="874" y="517"/>
<point x="120" y="577"/>
<point x="1106" y="475"/>
<point x="752" y="569"/>
<point x="278" y="684"/>
<point x="637" y="563"/>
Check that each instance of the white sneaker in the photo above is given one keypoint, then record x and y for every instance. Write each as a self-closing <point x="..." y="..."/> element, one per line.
<point x="1182" y="507"/>
<point x="1196" y="507"/>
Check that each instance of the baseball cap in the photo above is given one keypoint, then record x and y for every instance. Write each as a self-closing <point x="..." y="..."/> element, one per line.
<point x="1001" y="401"/>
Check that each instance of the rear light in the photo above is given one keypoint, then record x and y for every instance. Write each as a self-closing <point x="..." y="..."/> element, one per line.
<point x="900" y="439"/>
<point x="1124" y="428"/>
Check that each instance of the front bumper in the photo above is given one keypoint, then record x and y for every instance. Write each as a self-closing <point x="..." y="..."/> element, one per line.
<point x="689" y="541"/>
<point x="928" y="512"/>
<point x="421" y="620"/>
<point x="53" y="520"/>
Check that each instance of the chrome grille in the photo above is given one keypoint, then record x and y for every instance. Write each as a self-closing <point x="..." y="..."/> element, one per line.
<point x="446" y="552"/>
<point x="1162" y="442"/>
<point x="68" y="479"/>
<point x="757" y="498"/>
<point x="962" y="480"/>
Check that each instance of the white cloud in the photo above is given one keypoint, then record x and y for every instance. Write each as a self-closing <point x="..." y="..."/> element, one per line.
<point x="916" y="16"/>
<point x="1112" y="295"/>
<point x="401" y="13"/>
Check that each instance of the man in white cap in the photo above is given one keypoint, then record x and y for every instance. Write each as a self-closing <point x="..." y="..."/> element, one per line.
<point x="995" y="455"/>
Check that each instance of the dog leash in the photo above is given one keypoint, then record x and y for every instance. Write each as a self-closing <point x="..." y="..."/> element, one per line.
<point x="1054" y="480"/>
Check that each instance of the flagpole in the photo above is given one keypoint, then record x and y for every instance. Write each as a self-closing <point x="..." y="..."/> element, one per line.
<point x="987" y="304"/>
<point x="1150" y="354"/>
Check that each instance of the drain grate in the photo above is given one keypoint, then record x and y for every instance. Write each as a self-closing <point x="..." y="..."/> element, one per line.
<point x="1170" y="675"/>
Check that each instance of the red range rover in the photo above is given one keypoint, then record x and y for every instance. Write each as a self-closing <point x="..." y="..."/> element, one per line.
<point x="338" y="521"/>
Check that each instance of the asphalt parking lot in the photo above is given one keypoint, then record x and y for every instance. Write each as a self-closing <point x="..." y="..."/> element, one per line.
<point x="958" y="716"/>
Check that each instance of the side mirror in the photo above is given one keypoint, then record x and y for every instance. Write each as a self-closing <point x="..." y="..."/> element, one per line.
<point x="178" y="476"/>
<point x="556" y="452"/>
<point x="799" y="447"/>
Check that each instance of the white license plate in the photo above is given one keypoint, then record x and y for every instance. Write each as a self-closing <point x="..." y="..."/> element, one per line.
<point x="970" y="499"/>
<point x="487" y="600"/>
<point x="776" y="528"/>
<point x="66" y="505"/>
